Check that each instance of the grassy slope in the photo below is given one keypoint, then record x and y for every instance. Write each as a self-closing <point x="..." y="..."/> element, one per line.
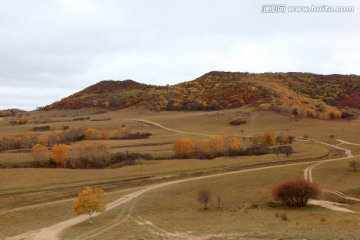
<point x="24" y="180"/>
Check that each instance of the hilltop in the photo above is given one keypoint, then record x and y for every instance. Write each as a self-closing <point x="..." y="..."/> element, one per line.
<point x="300" y="94"/>
<point x="10" y="112"/>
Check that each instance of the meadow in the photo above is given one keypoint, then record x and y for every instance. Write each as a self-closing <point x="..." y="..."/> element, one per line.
<point x="247" y="209"/>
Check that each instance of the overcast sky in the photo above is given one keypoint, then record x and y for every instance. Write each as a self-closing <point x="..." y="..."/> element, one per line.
<point x="50" y="49"/>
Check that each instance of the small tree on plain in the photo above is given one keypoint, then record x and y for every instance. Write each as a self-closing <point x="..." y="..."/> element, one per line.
<point x="140" y="162"/>
<point x="295" y="192"/>
<point x="204" y="197"/>
<point x="288" y="150"/>
<point x="354" y="165"/>
<point x="218" y="199"/>
<point x="90" y="201"/>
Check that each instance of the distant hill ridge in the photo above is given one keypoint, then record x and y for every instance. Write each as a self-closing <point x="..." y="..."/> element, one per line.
<point x="301" y="94"/>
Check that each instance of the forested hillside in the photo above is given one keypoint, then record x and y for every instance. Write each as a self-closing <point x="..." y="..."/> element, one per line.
<point x="300" y="94"/>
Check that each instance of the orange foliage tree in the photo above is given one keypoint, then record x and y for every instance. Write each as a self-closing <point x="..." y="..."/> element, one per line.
<point x="217" y="145"/>
<point x="184" y="147"/>
<point x="90" y="134"/>
<point x="266" y="138"/>
<point x="43" y="140"/>
<point x="23" y="120"/>
<point x="120" y="133"/>
<point x="233" y="145"/>
<point x="60" y="154"/>
<point x="90" y="201"/>
<point x="104" y="134"/>
<point x="269" y="138"/>
<point x="210" y="147"/>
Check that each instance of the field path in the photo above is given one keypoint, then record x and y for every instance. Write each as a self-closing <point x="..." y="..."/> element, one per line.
<point x="171" y="129"/>
<point x="308" y="176"/>
<point x="53" y="232"/>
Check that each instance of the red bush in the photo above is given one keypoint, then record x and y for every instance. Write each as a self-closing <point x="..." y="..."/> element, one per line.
<point x="295" y="192"/>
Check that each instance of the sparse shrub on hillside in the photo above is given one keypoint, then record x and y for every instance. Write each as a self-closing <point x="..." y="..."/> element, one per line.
<point x="23" y="120"/>
<point x="40" y="154"/>
<point x="218" y="200"/>
<point x="81" y="118"/>
<point x="7" y="112"/>
<point x="237" y="122"/>
<point x="285" y="138"/>
<point x="128" y="158"/>
<point x="138" y="135"/>
<point x="264" y="139"/>
<point x="288" y="150"/>
<point x="204" y="197"/>
<point x="255" y="151"/>
<point x="284" y="217"/>
<point x="295" y="192"/>
<point x="354" y="165"/>
<point x="140" y="162"/>
<point x="41" y="128"/>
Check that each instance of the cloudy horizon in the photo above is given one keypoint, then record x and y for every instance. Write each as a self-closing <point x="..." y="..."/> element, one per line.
<point x="53" y="48"/>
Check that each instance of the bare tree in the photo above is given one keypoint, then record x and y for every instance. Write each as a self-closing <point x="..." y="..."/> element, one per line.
<point x="140" y="162"/>
<point x="354" y="165"/>
<point x="204" y="197"/>
<point x="218" y="199"/>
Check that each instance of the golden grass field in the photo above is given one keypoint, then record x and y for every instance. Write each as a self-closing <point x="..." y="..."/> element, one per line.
<point x="173" y="210"/>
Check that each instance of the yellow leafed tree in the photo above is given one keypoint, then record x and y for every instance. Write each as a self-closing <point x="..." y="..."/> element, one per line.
<point x="234" y="144"/>
<point x="90" y="201"/>
<point x="184" y="147"/>
<point x="269" y="138"/>
<point x="43" y="139"/>
<point x="90" y="134"/>
<point x="60" y="153"/>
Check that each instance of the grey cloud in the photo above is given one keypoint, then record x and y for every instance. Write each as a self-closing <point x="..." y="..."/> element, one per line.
<point x="68" y="45"/>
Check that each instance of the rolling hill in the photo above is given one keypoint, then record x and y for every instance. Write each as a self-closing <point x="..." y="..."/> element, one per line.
<point x="300" y="94"/>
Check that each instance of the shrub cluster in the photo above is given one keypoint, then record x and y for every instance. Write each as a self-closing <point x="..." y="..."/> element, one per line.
<point x="220" y="146"/>
<point x="206" y="148"/>
<point x="65" y="136"/>
<point x="295" y="192"/>
<point x="237" y="122"/>
<point x="95" y="155"/>
<point x="129" y="158"/>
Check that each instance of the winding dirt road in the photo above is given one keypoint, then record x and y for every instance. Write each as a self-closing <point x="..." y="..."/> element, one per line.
<point x="308" y="176"/>
<point x="53" y="232"/>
